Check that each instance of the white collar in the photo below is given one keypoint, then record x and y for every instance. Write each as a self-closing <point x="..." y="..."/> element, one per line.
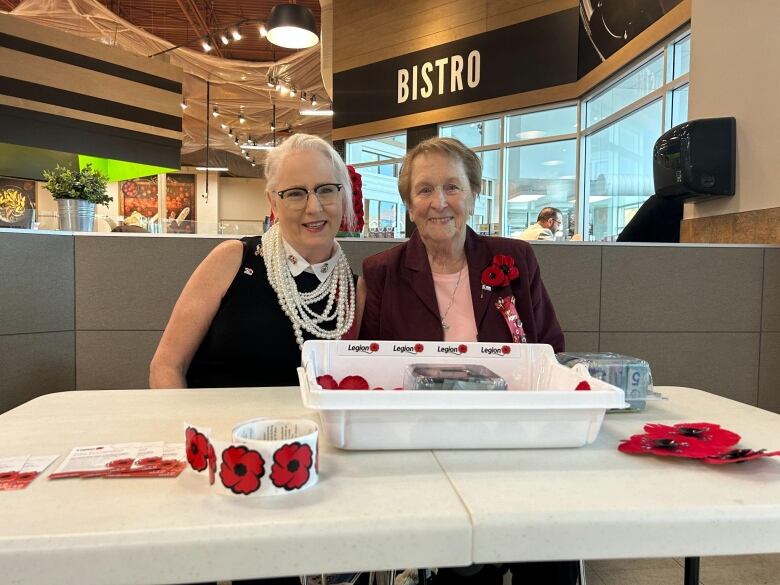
<point x="298" y="264"/>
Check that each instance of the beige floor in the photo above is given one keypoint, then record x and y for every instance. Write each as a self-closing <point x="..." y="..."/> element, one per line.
<point x="741" y="570"/>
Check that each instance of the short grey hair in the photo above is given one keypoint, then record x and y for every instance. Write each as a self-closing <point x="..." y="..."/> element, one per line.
<point x="298" y="142"/>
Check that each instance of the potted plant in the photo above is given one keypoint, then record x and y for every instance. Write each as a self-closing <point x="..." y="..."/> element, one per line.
<point x="76" y="193"/>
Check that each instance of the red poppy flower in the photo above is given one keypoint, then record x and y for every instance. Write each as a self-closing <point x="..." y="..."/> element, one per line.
<point x="291" y="466"/>
<point x="738" y="456"/>
<point x="197" y="446"/>
<point x="462" y="348"/>
<point x="374" y="347"/>
<point x="583" y="386"/>
<point x="418" y="347"/>
<point x="505" y="349"/>
<point x="493" y="276"/>
<point x="666" y="446"/>
<point x="241" y="469"/>
<point x="354" y="383"/>
<point x="706" y="432"/>
<point x="327" y="382"/>
<point x="212" y="464"/>
<point x="507" y="265"/>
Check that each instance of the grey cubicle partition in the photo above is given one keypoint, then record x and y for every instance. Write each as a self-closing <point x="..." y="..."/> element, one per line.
<point x="87" y="311"/>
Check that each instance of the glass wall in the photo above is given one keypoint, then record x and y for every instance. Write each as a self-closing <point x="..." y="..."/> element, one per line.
<point x="378" y="161"/>
<point x="590" y="159"/>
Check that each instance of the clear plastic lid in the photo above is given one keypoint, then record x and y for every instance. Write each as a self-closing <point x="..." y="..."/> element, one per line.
<point x="451" y="377"/>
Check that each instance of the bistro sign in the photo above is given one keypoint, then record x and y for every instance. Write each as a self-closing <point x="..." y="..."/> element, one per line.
<point x="452" y="68"/>
<point x="526" y="56"/>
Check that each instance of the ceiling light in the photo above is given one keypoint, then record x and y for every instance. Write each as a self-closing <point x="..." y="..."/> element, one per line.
<point x="223" y="126"/>
<point x="273" y="126"/>
<point x="328" y="112"/>
<point x="270" y="82"/>
<point x="284" y="90"/>
<point x="263" y="31"/>
<point x="524" y="198"/>
<point x="292" y="92"/>
<point x="184" y="104"/>
<point x="206" y="46"/>
<point x="212" y="169"/>
<point x="241" y="119"/>
<point x="292" y="26"/>
<point x="224" y="39"/>
<point x="314" y="101"/>
<point x="303" y="96"/>
<point x="235" y="34"/>
<point x="215" y="112"/>
<point x="278" y="86"/>
<point x="230" y="132"/>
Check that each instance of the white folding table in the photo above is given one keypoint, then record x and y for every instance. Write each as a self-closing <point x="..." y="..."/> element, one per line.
<point x="372" y="510"/>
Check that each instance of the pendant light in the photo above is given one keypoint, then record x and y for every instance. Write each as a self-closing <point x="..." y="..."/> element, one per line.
<point x="292" y="26"/>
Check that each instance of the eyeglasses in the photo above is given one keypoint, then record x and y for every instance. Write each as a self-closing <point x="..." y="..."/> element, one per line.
<point x="297" y="197"/>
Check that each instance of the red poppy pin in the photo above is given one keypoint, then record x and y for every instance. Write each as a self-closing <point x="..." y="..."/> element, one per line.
<point x="500" y="273"/>
<point x="707" y="442"/>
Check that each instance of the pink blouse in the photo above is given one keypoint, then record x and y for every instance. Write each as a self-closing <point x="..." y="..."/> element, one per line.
<point x="460" y="318"/>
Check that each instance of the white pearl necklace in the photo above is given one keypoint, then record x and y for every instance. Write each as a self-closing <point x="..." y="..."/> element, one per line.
<point x="295" y="304"/>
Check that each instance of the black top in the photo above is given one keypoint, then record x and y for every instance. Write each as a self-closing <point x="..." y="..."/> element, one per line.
<point x="251" y="341"/>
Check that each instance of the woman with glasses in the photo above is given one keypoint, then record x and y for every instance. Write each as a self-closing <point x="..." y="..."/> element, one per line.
<point x="247" y="309"/>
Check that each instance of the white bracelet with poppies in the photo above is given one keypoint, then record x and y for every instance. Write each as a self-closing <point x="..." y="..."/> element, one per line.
<point x="266" y="457"/>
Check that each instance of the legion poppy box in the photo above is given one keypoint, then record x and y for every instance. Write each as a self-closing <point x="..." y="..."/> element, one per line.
<point x="358" y="389"/>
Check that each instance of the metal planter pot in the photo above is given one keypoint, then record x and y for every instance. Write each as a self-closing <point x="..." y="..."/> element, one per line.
<point x="76" y="215"/>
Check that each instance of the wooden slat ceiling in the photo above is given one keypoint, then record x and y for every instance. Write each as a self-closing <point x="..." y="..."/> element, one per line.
<point x="182" y="22"/>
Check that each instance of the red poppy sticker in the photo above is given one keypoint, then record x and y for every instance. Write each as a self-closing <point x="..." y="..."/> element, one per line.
<point x="241" y="469"/>
<point x="374" y="347"/>
<point x="583" y="385"/>
<point x="418" y="347"/>
<point x="290" y="469"/>
<point x="505" y="349"/>
<point x="197" y="447"/>
<point x="462" y="348"/>
<point x="327" y="382"/>
<point x="353" y="383"/>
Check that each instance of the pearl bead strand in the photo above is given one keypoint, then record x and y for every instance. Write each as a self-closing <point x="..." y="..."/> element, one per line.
<point x="295" y="304"/>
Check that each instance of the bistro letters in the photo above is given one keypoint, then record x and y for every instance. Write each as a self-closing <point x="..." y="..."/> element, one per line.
<point x="445" y="74"/>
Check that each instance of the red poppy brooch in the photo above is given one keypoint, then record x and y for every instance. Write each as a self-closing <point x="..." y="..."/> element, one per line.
<point x="707" y="442"/>
<point x="500" y="273"/>
<point x="241" y="467"/>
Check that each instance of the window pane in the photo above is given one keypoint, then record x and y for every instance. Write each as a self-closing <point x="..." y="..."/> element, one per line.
<point x="381" y="203"/>
<point x="542" y="124"/>
<point x="682" y="57"/>
<point x="474" y="134"/>
<point x="538" y="176"/>
<point x="376" y="149"/>
<point x="680" y="105"/>
<point x="619" y="170"/>
<point x="637" y="85"/>
<point x="486" y="206"/>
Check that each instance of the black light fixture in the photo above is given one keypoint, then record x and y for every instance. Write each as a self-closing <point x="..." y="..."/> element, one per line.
<point x="292" y="26"/>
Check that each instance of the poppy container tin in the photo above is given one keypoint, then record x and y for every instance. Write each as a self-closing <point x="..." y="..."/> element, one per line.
<point x="544" y="405"/>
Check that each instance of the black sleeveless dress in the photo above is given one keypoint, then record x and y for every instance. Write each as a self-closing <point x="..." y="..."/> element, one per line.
<point x="251" y="341"/>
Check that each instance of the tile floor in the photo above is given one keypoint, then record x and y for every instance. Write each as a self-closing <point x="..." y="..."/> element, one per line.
<point x="736" y="570"/>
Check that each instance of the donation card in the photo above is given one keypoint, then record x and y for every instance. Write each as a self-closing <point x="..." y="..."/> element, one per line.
<point x="32" y="468"/>
<point x="170" y="462"/>
<point x="97" y="460"/>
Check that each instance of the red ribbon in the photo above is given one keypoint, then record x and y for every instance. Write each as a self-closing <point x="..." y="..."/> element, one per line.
<point x="506" y="306"/>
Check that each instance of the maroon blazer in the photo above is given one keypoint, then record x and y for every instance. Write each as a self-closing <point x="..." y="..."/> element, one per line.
<point x="401" y="301"/>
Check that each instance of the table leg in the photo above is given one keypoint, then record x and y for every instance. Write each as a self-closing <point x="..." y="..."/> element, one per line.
<point x="692" y="570"/>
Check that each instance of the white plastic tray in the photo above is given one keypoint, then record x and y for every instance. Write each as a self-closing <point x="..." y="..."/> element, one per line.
<point x="540" y="409"/>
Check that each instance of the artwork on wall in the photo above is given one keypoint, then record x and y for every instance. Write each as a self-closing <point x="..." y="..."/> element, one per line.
<point x="608" y="25"/>
<point x="139" y="197"/>
<point x="17" y="203"/>
<point x="181" y="203"/>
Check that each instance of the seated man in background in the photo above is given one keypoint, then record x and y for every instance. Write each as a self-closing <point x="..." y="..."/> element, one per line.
<point x="547" y="224"/>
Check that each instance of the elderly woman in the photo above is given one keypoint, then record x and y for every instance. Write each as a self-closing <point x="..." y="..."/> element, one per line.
<point x="447" y="283"/>
<point x="247" y="309"/>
